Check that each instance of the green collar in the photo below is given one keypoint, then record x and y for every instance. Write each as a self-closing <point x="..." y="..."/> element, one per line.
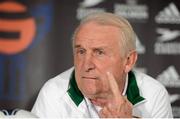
<point x="132" y="90"/>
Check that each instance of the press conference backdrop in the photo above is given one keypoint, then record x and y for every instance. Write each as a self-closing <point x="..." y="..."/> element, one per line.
<point x="35" y="43"/>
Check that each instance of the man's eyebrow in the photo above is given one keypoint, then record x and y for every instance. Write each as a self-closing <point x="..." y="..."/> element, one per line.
<point x="100" y="48"/>
<point x="94" y="48"/>
<point x="77" y="46"/>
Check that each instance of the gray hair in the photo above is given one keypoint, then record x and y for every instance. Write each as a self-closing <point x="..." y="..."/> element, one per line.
<point x="128" y="41"/>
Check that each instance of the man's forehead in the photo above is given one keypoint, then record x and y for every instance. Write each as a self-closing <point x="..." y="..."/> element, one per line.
<point x="101" y="46"/>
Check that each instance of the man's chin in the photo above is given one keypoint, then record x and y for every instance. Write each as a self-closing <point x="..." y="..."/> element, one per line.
<point x="94" y="95"/>
<point x="90" y="95"/>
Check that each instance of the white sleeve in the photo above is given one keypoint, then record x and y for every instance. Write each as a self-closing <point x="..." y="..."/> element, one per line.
<point x="44" y="105"/>
<point x="162" y="106"/>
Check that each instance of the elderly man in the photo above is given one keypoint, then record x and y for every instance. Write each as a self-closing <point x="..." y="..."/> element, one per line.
<point x="102" y="83"/>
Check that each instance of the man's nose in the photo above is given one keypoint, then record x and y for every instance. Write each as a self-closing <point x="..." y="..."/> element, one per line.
<point x="89" y="63"/>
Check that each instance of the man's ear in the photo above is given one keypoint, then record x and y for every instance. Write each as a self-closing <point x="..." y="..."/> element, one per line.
<point x="130" y="61"/>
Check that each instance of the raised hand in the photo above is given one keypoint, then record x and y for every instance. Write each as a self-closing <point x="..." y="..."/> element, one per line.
<point x="117" y="105"/>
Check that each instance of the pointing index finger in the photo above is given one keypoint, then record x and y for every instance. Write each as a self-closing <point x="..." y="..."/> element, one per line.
<point x="113" y="85"/>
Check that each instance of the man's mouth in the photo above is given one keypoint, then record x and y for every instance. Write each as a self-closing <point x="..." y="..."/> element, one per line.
<point x="89" y="77"/>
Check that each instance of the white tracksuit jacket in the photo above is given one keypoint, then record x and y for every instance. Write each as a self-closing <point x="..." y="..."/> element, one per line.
<point x="61" y="98"/>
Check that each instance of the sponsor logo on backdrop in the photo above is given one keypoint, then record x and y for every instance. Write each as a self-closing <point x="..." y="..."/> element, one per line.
<point x="87" y="7"/>
<point x="139" y="47"/>
<point x="170" y="14"/>
<point x="14" y="21"/>
<point x="169" y="77"/>
<point x="132" y="11"/>
<point x="17" y="35"/>
<point x="167" y="34"/>
<point x="90" y="3"/>
<point x="174" y="97"/>
<point x="167" y="42"/>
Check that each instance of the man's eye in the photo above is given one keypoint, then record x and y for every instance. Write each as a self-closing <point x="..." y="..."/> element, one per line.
<point x="100" y="52"/>
<point x="80" y="51"/>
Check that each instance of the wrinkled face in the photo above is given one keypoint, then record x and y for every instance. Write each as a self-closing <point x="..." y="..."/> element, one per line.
<point x="97" y="51"/>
